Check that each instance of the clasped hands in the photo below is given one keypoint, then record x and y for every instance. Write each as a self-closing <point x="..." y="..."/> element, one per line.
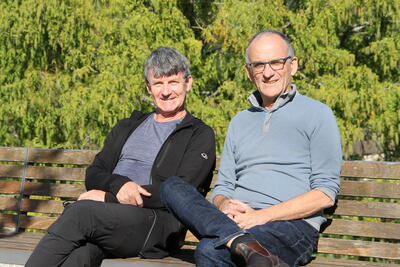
<point x="242" y="214"/>
<point x="130" y="193"/>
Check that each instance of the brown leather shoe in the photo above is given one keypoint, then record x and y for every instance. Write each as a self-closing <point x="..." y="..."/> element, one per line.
<point x="257" y="256"/>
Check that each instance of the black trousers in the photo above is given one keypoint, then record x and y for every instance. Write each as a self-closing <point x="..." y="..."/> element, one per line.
<point x="89" y="231"/>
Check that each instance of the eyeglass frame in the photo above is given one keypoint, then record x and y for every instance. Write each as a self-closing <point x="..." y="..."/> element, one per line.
<point x="269" y="63"/>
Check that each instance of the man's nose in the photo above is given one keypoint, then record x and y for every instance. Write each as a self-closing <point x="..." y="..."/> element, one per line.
<point x="268" y="71"/>
<point x="166" y="89"/>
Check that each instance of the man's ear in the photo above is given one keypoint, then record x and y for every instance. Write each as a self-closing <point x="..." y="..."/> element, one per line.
<point x="148" y="88"/>
<point x="249" y="73"/>
<point x="294" y="65"/>
<point x="189" y="82"/>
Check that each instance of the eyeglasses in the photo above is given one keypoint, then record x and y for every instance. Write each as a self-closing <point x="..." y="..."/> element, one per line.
<point x="276" y="64"/>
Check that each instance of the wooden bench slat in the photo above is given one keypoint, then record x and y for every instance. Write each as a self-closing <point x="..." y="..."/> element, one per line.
<point x="359" y="248"/>
<point x="190" y="237"/>
<point x="36" y="222"/>
<point x="61" y="156"/>
<point x="7" y="220"/>
<point x="371" y="169"/>
<point x="56" y="173"/>
<point x="12" y="171"/>
<point x="364" y="228"/>
<point x="12" y="154"/>
<point x="8" y="203"/>
<point x="370" y="189"/>
<point x="42" y="206"/>
<point x="329" y="262"/>
<point x="10" y="187"/>
<point x="368" y="209"/>
<point x="55" y="190"/>
<point x="20" y="241"/>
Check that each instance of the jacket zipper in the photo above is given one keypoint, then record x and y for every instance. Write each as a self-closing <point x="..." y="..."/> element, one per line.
<point x="160" y="157"/>
<point x="149" y="233"/>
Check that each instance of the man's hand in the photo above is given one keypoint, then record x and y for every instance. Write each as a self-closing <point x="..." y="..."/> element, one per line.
<point x="246" y="217"/>
<point x="227" y="206"/>
<point x="96" y="195"/>
<point x="130" y="193"/>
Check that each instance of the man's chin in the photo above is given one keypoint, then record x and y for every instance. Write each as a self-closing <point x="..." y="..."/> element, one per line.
<point x="169" y="113"/>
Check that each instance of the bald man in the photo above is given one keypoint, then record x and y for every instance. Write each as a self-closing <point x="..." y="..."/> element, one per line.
<point x="279" y="169"/>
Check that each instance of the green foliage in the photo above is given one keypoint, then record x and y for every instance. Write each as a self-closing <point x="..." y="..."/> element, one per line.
<point x="349" y="57"/>
<point x="70" y="69"/>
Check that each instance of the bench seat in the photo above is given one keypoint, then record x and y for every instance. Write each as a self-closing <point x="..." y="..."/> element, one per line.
<point x="363" y="227"/>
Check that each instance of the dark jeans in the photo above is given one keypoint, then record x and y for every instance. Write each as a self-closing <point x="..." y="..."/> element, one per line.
<point x="89" y="231"/>
<point x="293" y="241"/>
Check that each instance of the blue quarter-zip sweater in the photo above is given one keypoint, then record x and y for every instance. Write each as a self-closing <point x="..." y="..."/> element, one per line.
<point x="274" y="155"/>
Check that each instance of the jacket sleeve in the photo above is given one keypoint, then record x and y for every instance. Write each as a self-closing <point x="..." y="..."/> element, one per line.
<point x="196" y="167"/>
<point x="99" y="174"/>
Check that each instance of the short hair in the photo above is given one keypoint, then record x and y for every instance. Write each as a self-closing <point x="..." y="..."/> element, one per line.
<point x="166" y="61"/>
<point x="270" y="32"/>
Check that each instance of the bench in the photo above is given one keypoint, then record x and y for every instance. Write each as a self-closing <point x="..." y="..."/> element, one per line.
<point x="363" y="228"/>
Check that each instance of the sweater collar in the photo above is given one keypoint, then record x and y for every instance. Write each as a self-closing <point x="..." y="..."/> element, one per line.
<point x="256" y="100"/>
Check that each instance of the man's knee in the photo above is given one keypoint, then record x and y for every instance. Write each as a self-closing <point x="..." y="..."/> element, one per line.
<point x="74" y="217"/>
<point x="79" y="209"/>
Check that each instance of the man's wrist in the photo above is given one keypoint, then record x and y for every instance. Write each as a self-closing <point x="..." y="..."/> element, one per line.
<point x="219" y="201"/>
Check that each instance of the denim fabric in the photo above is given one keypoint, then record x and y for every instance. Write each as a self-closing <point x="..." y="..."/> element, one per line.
<point x="293" y="241"/>
<point x="201" y="217"/>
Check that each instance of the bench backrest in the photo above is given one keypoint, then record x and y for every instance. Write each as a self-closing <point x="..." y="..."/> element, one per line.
<point x="365" y="221"/>
<point x="34" y="183"/>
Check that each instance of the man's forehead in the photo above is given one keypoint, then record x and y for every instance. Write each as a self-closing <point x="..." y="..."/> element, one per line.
<point x="178" y="75"/>
<point x="271" y="46"/>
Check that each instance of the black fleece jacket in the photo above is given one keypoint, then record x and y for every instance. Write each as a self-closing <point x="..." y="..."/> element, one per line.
<point x="189" y="152"/>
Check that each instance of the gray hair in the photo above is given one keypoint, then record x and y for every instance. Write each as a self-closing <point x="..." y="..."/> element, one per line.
<point x="166" y="61"/>
<point x="269" y="32"/>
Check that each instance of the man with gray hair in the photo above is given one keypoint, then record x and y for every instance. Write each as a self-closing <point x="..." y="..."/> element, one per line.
<point x="279" y="169"/>
<point x="121" y="214"/>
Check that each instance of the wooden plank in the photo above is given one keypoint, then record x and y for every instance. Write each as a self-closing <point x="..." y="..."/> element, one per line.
<point x="10" y="187"/>
<point x="370" y="189"/>
<point x="329" y="262"/>
<point x="190" y="237"/>
<point x="9" y="170"/>
<point x="43" y="206"/>
<point x="8" y="203"/>
<point x="371" y="169"/>
<point x="364" y="228"/>
<point x="56" y="173"/>
<point x="36" y="222"/>
<point x="20" y="241"/>
<point x="367" y="209"/>
<point x="55" y="190"/>
<point x="7" y="220"/>
<point x="12" y="154"/>
<point x="184" y="258"/>
<point x="61" y="156"/>
<point x="359" y="248"/>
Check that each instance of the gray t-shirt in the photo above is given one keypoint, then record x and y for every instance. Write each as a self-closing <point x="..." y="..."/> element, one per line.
<point x="141" y="148"/>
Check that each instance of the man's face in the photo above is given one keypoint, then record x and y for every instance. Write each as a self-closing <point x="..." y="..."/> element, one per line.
<point x="168" y="92"/>
<point x="271" y="83"/>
